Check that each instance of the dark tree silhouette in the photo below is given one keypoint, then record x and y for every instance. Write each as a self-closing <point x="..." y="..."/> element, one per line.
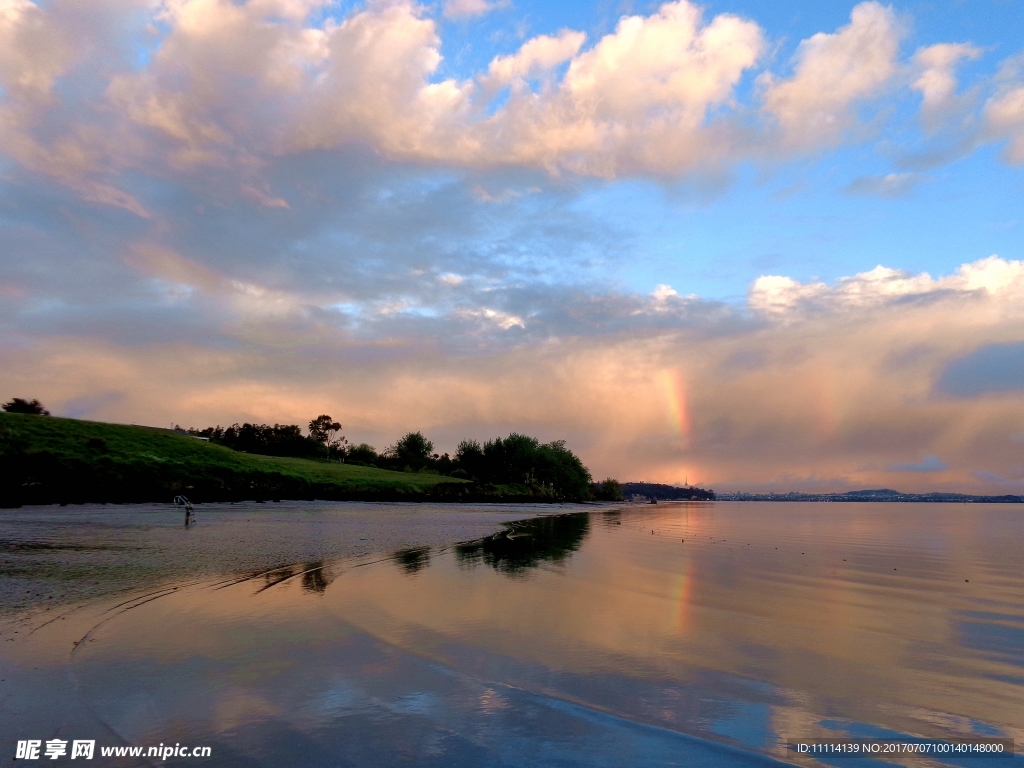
<point x="276" y="440"/>
<point x="525" y="460"/>
<point x="411" y="451"/>
<point x="609" y="490"/>
<point x="325" y="430"/>
<point x="469" y="457"/>
<point x="361" y="454"/>
<point x="17" y="405"/>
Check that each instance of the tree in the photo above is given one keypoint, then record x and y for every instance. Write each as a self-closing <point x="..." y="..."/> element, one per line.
<point x="521" y="459"/>
<point x="325" y="430"/>
<point x="609" y="490"/>
<point x="17" y="405"/>
<point x="563" y="470"/>
<point x="469" y="459"/>
<point x="412" y="451"/>
<point x="361" y="454"/>
<point x="276" y="440"/>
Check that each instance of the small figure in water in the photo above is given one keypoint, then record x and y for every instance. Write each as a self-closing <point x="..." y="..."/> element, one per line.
<point x="190" y="516"/>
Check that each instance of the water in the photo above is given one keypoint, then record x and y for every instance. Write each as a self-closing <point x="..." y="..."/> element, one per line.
<point x="690" y="634"/>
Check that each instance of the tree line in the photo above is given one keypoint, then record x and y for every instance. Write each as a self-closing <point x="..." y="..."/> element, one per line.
<point x="514" y="460"/>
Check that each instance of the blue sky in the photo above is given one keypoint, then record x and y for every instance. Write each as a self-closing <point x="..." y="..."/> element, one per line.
<point x="800" y="219"/>
<point x="748" y="244"/>
<point x="805" y="224"/>
<point x="805" y="219"/>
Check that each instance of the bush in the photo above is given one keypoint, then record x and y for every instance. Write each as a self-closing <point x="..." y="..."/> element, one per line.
<point x="17" y="405"/>
<point x="361" y="454"/>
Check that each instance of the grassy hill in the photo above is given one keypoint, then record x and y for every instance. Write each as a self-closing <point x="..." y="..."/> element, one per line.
<point x="44" y="460"/>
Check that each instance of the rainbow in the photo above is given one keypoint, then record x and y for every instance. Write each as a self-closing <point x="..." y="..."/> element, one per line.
<point x="674" y="387"/>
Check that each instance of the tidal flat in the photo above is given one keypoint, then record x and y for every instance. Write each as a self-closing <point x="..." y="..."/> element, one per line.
<point x="378" y="635"/>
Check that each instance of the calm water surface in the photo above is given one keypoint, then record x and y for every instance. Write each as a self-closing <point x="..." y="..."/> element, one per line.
<point x="688" y="634"/>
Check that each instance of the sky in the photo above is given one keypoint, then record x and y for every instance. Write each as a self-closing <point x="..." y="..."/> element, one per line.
<point x="751" y="246"/>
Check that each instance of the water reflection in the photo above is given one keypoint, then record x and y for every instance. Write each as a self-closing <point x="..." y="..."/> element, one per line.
<point x="682" y="635"/>
<point x="611" y="517"/>
<point x="272" y="578"/>
<point x="412" y="561"/>
<point x="527" y="544"/>
<point x="316" y="577"/>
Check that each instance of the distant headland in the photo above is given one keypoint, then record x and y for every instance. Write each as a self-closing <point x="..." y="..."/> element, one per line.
<point x="659" y="492"/>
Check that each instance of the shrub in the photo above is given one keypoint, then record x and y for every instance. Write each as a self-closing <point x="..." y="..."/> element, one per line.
<point x="17" y="405"/>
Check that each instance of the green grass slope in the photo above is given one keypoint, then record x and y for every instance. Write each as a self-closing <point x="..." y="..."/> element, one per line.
<point x="44" y="460"/>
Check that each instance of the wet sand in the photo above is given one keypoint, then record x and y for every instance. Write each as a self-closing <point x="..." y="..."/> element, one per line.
<point x="52" y="556"/>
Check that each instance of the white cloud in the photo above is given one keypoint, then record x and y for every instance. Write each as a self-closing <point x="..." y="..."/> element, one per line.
<point x="663" y="292"/>
<point x="182" y="278"/>
<point x="779" y="296"/>
<point x="889" y="185"/>
<point x="639" y="99"/>
<point x="238" y="84"/>
<point x="1004" y="110"/>
<point x="937" y="79"/>
<point x="636" y="102"/>
<point x="535" y="58"/>
<point x="39" y="44"/>
<point x="461" y="9"/>
<point x="833" y="74"/>
<point x="993" y="274"/>
<point x="502" y="320"/>
<point x="33" y="51"/>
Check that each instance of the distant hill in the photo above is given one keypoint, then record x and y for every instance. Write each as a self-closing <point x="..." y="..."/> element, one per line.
<point x="877" y="494"/>
<point x="665" y="492"/>
<point x="46" y="460"/>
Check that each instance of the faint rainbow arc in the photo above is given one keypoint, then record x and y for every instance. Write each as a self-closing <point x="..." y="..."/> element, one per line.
<point x="674" y="387"/>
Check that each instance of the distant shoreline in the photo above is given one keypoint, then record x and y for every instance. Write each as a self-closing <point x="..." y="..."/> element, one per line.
<point x="882" y="495"/>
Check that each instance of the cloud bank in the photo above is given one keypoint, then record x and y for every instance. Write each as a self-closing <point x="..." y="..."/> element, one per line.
<point x="849" y="382"/>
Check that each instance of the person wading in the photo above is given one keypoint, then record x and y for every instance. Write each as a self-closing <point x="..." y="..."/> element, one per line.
<point x="190" y="515"/>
